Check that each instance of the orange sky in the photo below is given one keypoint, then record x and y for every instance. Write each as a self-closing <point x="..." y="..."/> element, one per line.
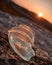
<point x="43" y="6"/>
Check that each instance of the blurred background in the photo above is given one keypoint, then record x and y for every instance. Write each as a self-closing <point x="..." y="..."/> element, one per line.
<point x="38" y="11"/>
<point x="41" y="7"/>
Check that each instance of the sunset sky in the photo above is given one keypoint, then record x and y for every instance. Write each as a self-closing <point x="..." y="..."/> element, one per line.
<point x="38" y="6"/>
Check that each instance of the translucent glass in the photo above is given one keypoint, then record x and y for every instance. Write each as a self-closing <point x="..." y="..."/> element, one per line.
<point x="21" y="38"/>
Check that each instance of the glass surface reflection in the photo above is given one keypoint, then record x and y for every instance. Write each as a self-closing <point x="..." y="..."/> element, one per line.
<point x="21" y="38"/>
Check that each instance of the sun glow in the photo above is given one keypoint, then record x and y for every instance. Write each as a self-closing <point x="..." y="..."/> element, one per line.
<point x="40" y="14"/>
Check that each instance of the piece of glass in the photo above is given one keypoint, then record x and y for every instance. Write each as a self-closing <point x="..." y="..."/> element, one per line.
<point x="21" y="38"/>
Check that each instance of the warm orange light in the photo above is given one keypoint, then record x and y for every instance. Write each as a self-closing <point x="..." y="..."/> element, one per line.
<point x="40" y="14"/>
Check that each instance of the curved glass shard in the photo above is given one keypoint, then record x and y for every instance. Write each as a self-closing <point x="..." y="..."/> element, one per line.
<point x="21" y="38"/>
